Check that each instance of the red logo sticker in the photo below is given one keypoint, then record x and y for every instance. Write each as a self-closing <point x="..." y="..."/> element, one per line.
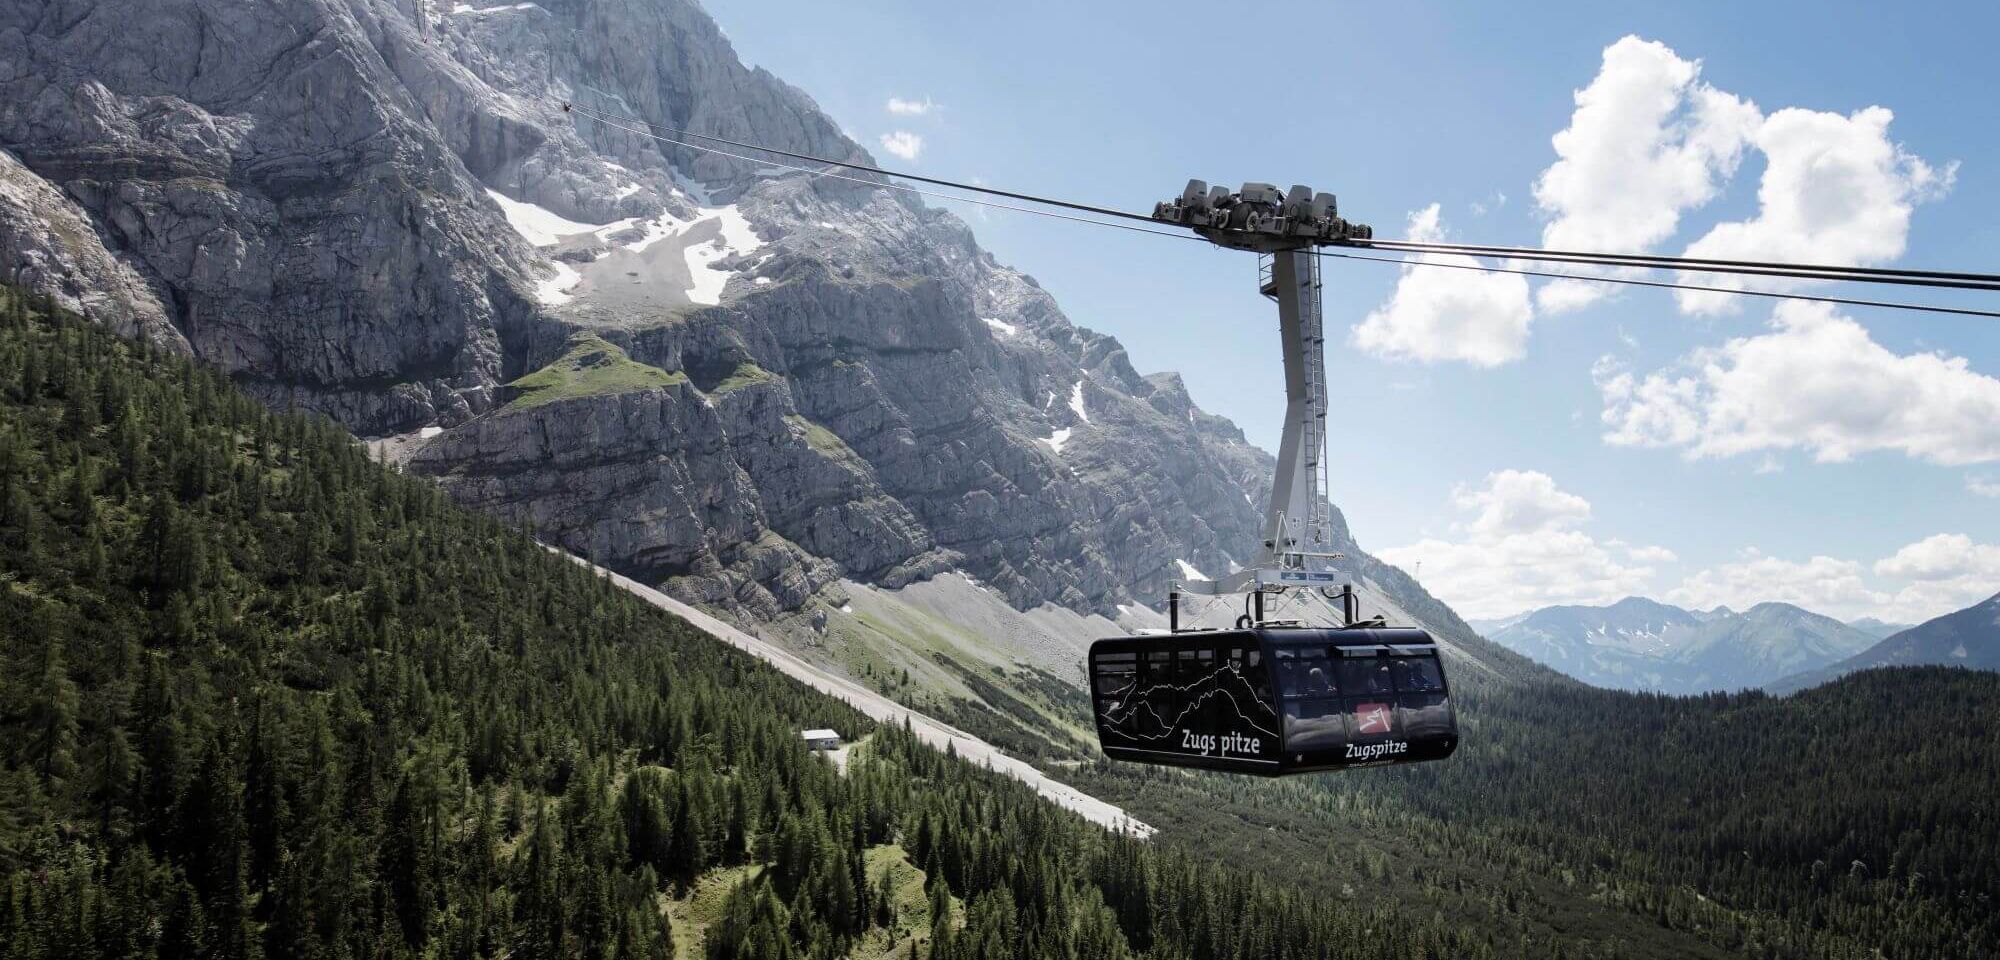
<point x="1371" y="718"/>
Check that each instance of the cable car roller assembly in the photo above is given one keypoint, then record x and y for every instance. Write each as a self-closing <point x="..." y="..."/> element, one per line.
<point x="1276" y="697"/>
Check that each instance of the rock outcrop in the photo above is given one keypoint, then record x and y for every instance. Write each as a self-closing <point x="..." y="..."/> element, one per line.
<point x="738" y="380"/>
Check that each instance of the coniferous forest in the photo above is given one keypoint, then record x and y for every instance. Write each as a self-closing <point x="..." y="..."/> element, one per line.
<point x="263" y="697"/>
<point x="1860" y="819"/>
<point x="266" y="698"/>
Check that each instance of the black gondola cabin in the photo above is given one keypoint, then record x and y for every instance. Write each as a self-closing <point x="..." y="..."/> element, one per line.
<point x="1273" y="701"/>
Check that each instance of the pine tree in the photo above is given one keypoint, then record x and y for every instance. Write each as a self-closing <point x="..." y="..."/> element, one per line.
<point x="52" y="721"/>
<point x="214" y="840"/>
<point x="110" y="762"/>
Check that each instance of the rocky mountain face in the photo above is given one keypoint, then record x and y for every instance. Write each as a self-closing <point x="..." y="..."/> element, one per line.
<point x="736" y="380"/>
<point x="1639" y="644"/>
<point x="1967" y="638"/>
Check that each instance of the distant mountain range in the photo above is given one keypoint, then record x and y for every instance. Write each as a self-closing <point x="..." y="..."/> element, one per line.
<point x="1640" y="644"/>
<point x="1968" y="638"/>
<point x="1876" y="628"/>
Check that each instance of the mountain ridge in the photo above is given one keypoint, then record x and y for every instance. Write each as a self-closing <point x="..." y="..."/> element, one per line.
<point x="1642" y="644"/>
<point x="1967" y="638"/>
<point x="748" y="384"/>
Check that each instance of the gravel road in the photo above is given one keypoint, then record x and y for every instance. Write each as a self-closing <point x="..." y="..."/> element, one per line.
<point x="885" y="710"/>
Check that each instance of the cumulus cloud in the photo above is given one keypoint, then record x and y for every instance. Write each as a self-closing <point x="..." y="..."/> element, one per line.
<point x="1837" y="588"/>
<point x="1521" y="544"/>
<point x="910" y="108"/>
<point x="1929" y="578"/>
<point x="1522" y="548"/>
<point x="1438" y="314"/>
<point x="1836" y="190"/>
<point x="903" y="143"/>
<point x="1945" y="572"/>
<point x="1649" y="554"/>
<point x="1945" y="556"/>
<point x="1816" y="382"/>
<point x="1647" y="141"/>
<point x="1520" y="502"/>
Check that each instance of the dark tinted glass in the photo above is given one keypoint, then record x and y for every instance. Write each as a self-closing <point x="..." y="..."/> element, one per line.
<point x="1115" y="678"/>
<point x="1426" y="715"/>
<point x="1256" y="673"/>
<point x="1318" y="678"/>
<point x="1312" y="725"/>
<point x="1140" y="713"/>
<point x="1418" y="675"/>
<point x="1291" y="678"/>
<point x="1366" y="675"/>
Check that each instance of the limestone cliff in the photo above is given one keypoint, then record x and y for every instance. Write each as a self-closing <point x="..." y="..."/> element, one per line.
<point x="741" y="381"/>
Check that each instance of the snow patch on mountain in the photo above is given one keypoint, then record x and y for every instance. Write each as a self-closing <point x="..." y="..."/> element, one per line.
<point x="1076" y="402"/>
<point x="538" y="225"/>
<point x="555" y="291"/>
<point x="734" y="237"/>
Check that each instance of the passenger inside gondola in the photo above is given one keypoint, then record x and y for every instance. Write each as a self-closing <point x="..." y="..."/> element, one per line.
<point x="1418" y="675"/>
<point x="1366" y="676"/>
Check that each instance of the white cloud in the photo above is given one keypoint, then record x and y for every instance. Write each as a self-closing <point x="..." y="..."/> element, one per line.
<point x="1946" y="572"/>
<point x="1650" y="554"/>
<point x="1646" y="142"/>
<point x="1983" y="486"/>
<point x="1522" y="546"/>
<point x="1836" y="588"/>
<point x="1649" y="141"/>
<point x="1929" y="578"/>
<point x="1521" y="501"/>
<point x="903" y="143"/>
<point x="1943" y="556"/>
<point x="1816" y="382"/>
<point x="1522" y="549"/>
<point x="1836" y="190"/>
<point x="1438" y="314"/>
<point x="910" y="108"/>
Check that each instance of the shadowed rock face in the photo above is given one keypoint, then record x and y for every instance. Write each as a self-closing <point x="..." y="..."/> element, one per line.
<point x="381" y="210"/>
<point x="306" y="226"/>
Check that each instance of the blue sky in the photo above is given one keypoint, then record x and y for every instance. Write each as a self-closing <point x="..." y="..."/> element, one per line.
<point x="1496" y="464"/>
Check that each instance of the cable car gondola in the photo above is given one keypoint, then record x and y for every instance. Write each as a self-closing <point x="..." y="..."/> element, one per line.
<point x="1273" y="701"/>
<point x="1273" y="697"/>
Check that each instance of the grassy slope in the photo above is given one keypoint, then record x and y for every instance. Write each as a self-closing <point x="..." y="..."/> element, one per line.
<point x="592" y="366"/>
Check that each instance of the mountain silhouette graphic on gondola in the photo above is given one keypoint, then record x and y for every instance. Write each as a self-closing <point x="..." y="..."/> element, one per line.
<point x="1154" y="712"/>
